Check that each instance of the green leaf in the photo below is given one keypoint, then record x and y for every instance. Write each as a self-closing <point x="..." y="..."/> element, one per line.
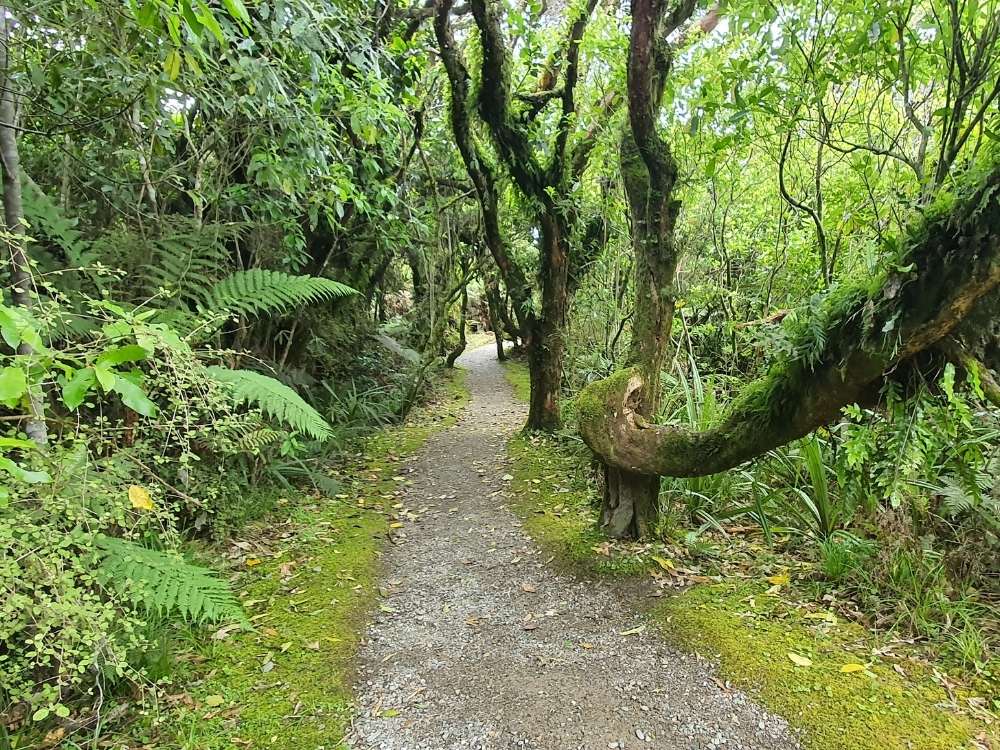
<point x="148" y="15"/>
<point x="77" y="387"/>
<point x="13" y="385"/>
<point x="172" y="65"/>
<point x="208" y="19"/>
<point x="122" y="354"/>
<point x="22" y="474"/>
<point x="237" y="10"/>
<point x="105" y="376"/>
<point x="134" y="397"/>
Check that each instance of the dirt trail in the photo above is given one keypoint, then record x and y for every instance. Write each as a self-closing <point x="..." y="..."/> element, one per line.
<point x="481" y="645"/>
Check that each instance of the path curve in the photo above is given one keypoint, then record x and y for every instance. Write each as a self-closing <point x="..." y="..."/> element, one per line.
<point x="477" y="644"/>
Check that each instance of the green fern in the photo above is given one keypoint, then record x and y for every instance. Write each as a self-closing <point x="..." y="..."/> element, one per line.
<point x="275" y="399"/>
<point x="165" y="582"/>
<point x="185" y="259"/>
<point x="260" y="291"/>
<point x="256" y="440"/>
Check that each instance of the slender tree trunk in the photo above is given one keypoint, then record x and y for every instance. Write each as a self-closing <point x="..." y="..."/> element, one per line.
<point x="462" y="340"/>
<point x="493" y="302"/>
<point x="545" y="341"/>
<point x="13" y="211"/>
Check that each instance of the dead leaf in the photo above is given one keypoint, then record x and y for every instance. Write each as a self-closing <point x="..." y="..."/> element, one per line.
<point x="528" y="588"/>
<point x="213" y="701"/>
<point x="780" y="579"/>
<point x="663" y="562"/>
<point x="634" y="631"/>
<point x="253" y="561"/>
<point x="799" y="660"/>
<point x="853" y="667"/>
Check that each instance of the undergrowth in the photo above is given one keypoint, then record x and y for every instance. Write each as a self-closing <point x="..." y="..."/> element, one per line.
<point x="751" y="605"/>
<point x="306" y="576"/>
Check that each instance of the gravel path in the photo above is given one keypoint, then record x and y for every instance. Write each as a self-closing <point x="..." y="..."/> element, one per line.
<point x="480" y="645"/>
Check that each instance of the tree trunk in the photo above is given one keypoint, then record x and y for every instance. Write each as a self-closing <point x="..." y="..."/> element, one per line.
<point x="545" y="340"/>
<point x="631" y="499"/>
<point x="13" y="211"/>
<point x="493" y="301"/>
<point x="462" y="341"/>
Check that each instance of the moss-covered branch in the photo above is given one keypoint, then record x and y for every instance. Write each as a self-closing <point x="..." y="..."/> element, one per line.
<point x="947" y="263"/>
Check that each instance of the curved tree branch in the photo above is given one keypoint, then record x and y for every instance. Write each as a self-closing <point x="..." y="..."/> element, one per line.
<point x="952" y="262"/>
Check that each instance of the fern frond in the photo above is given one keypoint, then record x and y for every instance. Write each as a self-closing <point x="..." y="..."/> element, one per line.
<point x="165" y="582"/>
<point x="187" y="259"/>
<point x="257" y="440"/>
<point x="275" y="399"/>
<point x="260" y="291"/>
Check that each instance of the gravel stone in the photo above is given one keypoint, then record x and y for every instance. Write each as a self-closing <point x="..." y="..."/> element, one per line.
<point x="477" y="643"/>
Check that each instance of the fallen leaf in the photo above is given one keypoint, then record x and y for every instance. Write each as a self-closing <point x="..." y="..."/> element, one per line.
<point x="799" y="660"/>
<point x="779" y="580"/>
<point x="853" y="667"/>
<point x="253" y="561"/>
<point x="528" y="588"/>
<point x="634" y="631"/>
<point x="587" y="646"/>
<point x="314" y="646"/>
<point x="663" y="562"/>
<point x="214" y="700"/>
<point x="396" y="525"/>
<point x="140" y="498"/>
<point x="507" y="477"/>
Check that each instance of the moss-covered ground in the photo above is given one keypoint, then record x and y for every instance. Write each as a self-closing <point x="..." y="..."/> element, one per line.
<point x="307" y="578"/>
<point x="837" y="682"/>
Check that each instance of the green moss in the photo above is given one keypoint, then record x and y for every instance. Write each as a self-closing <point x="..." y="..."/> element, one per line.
<point x="552" y="494"/>
<point x="518" y="376"/>
<point x="876" y="709"/>
<point x="287" y="684"/>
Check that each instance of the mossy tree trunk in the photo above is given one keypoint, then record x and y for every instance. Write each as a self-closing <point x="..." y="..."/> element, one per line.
<point x="650" y="175"/>
<point x="544" y="185"/>
<point x="947" y="268"/>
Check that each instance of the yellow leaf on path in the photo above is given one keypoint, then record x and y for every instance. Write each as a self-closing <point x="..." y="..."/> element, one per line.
<point x="779" y="580"/>
<point x="633" y="631"/>
<point x="139" y="498"/>
<point x="395" y="525"/>
<point x="853" y="668"/>
<point x="663" y="562"/>
<point x="253" y="561"/>
<point x="799" y="660"/>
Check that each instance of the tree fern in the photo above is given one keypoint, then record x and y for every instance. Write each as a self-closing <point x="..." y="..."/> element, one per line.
<point x="275" y="399"/>
<point x="165" y="582"/>
<point x="260" y="291"/>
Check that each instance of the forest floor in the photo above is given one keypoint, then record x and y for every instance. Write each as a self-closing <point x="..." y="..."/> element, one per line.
<point x="456" y="595"/>
<point x="481" y="641"/>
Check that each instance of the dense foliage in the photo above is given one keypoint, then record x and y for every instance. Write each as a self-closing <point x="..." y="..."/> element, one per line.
<point x="241" y="233"/>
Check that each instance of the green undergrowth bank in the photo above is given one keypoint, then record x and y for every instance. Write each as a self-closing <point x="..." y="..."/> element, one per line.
<point x="307" y="578"/>
<point x="831" y="679"/>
